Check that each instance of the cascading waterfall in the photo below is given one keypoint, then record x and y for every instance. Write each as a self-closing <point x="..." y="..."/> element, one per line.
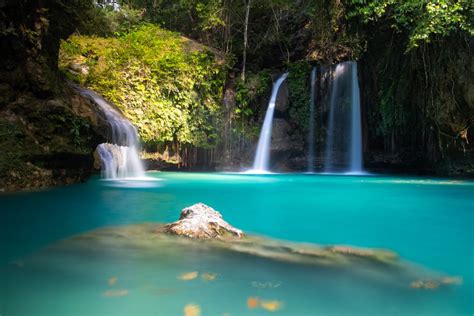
<point x="356" y="139"/>
<point x="312" y="106"/>
<point x="262" y="156"/>
<point x="334" y="85"/>
<point x="343" y="141"/>
<point x="119" y="156"/>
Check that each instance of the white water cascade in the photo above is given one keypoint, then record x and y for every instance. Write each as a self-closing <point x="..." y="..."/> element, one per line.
<point x="356" y="135"/>
<point x="262" y="157"/>
<point x="344" y="136"/>
<point x="119" y="156"/>
<point x="312" y="106"/>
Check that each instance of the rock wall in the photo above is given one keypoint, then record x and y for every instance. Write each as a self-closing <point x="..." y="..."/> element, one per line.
<point x="47" y="131"/>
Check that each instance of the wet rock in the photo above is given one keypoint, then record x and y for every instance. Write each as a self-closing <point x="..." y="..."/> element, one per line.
<point x="433" y="284"/>
<point x="48" y="132"/>
<point x="425" y="284"/>
<point x="374" y="264"/>
<point x="375" y="254"/>
<point x="80" y="68"/>
<point x="202" y="222"/>
<point x="114" y="150"/>
<point x="209" y="276"/>
<point x="280" y="135"/>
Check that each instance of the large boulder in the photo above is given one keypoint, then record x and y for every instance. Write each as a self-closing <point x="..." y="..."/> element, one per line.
<point x="202" y="222"/>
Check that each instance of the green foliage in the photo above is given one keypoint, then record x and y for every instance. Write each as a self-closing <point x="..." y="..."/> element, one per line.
<point x="11" y="138"/>
<point x="170" y="87"/>
<point x="299" y="93"/>
<point x="105" y="21"/>
<point x="422" y="19"/>
<point x="256" y="86"/>
<point x="394" y="116"/>
<point x="275" y="28"/>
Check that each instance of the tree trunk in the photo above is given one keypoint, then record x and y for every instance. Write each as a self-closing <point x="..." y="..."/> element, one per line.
<point x="246" y="26"/>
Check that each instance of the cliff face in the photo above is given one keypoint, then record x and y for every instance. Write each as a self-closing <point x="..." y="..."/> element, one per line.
<point x="419" y="105"/>
<point x="47" y="131"/>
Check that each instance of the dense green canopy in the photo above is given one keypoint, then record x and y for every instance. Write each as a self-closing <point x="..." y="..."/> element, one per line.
<point x="169" y="86"/>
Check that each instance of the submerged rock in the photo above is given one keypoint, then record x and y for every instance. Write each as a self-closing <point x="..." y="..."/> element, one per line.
<point x="433" y="284"/>
<point x="209" y="277"/>
<point x="207" y="231"/>
<point x="378" y="265"/>
<point x="202" y="222"/>
<point x="380" y="255"/>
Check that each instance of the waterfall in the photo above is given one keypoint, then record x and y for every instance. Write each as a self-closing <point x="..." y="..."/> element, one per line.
<point x="356" y="135"/>
<point x="262" y="156"/>
<point x="312" y="106"/>
<point x="344" y="134"/>
<point x="119" y="156"/>
<point x="334" y="85"/>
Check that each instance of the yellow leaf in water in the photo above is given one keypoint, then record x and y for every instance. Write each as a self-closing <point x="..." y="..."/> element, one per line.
<point x="192" y="310"/>
<point x="209" y="276"/>
<point x="188" y="276"/>
<point x="113" y="281"/>
<point x="112" y="293"/>
<point x="271" y="306"/>
<point x="252" y="302"/>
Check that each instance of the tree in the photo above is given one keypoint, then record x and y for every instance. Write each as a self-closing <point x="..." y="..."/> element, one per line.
<point x="246" y="28"/>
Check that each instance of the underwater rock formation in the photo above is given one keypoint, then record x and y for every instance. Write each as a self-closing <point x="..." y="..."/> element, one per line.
<point x="202" y="222"/>
<point x="378" y="265"/>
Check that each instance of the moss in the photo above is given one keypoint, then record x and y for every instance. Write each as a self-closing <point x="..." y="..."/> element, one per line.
<point x="170" y="87"/>
<point x="299" y="93"/>
<point x="12" y="140"/>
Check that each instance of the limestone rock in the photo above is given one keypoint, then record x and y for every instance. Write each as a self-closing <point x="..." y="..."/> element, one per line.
<point x="202" y="222"/>
<point x="280" y="135"/>
<point x="79" y="68"/>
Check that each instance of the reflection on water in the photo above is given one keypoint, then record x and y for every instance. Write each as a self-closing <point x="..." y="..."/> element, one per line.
<point x="425" y="182"/>
<point x="138" y="182"/>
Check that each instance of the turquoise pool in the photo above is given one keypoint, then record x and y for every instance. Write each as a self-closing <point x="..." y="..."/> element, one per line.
<point x="428" y="222"/>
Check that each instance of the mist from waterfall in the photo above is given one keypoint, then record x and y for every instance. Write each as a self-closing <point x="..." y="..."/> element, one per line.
<point x="312" y="107"/>
<point x="344" y="133"/>
<point x="119" y="156"/>
<point x="262" y="156"/>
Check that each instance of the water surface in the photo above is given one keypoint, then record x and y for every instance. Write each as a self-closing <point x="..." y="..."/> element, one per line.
<point x="429" y="222"/>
